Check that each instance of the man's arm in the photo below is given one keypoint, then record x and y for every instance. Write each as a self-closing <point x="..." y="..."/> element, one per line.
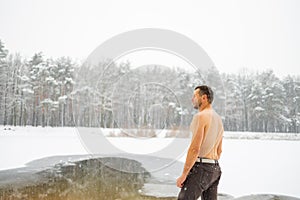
<point x="219" y="150"/>
<point x="194" y="148"/>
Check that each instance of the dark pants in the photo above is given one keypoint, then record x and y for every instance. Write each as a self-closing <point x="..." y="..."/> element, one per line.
<point x="203" y="180"/>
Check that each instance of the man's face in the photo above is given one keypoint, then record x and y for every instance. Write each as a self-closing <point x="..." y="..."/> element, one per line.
<point x="196" y="100"/>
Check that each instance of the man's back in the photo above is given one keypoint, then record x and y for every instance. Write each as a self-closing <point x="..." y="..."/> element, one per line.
<point x="213" y="134"/>
<point x="212" y="139"/>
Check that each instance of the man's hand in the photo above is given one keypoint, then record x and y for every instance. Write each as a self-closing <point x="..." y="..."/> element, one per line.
<point x="180" y="181"/>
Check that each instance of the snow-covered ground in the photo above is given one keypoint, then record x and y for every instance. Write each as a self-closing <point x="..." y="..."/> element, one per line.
<point x="252" y="163"/>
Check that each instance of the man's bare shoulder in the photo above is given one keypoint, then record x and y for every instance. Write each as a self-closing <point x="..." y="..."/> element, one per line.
<point x="203" y="115"/>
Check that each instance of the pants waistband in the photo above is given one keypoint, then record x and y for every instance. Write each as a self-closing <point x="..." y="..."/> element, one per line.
<point x="206" y="160"/>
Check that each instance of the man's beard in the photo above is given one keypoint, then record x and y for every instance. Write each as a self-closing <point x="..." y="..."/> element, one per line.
<point x="197" y="105"/>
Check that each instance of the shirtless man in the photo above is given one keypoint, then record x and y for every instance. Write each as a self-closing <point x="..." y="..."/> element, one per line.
<point x="201" y="173"/>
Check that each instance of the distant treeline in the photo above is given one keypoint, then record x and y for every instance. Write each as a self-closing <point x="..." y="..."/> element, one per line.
<point x="61" y="92"/>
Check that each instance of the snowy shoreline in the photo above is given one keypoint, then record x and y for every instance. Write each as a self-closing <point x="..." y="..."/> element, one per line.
<point x="114" y="132"/>
<point x="261" y="136"/>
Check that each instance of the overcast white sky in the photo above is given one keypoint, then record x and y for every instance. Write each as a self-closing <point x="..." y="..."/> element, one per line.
<point x="256" y="34"/>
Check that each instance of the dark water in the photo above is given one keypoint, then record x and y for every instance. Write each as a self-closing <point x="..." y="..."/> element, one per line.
<point x="85" y="179"/>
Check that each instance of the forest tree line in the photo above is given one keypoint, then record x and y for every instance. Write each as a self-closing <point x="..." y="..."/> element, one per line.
<point x="42" y="91"/>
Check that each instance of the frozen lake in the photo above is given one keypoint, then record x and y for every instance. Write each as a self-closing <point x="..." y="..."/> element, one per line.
<point x="250" y="166"/>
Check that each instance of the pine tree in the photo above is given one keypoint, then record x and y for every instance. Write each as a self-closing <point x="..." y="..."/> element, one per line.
<point x="272" y="99"/>
<point x="292" y="104"/>
<point x="14" y="97"/>
<point x="37" y="70"/>
<point x="4" y="75"/>
<point x="256" y="112"/>
<point x="234" y="103"/>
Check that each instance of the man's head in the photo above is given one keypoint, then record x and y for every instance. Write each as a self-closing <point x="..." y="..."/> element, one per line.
<point x="202" y="95"/>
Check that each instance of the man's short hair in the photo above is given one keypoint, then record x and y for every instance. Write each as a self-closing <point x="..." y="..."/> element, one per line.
<point x="204" y="89"/>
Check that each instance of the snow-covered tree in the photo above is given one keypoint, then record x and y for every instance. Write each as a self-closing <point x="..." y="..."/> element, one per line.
<point x="3" y="83"/>
<point x="14" y="90"/>
<point x="272" y="100"/>
<point x="292" y="104"/>
<point x="234" y="103"/>
<point x="37" y="75"/>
